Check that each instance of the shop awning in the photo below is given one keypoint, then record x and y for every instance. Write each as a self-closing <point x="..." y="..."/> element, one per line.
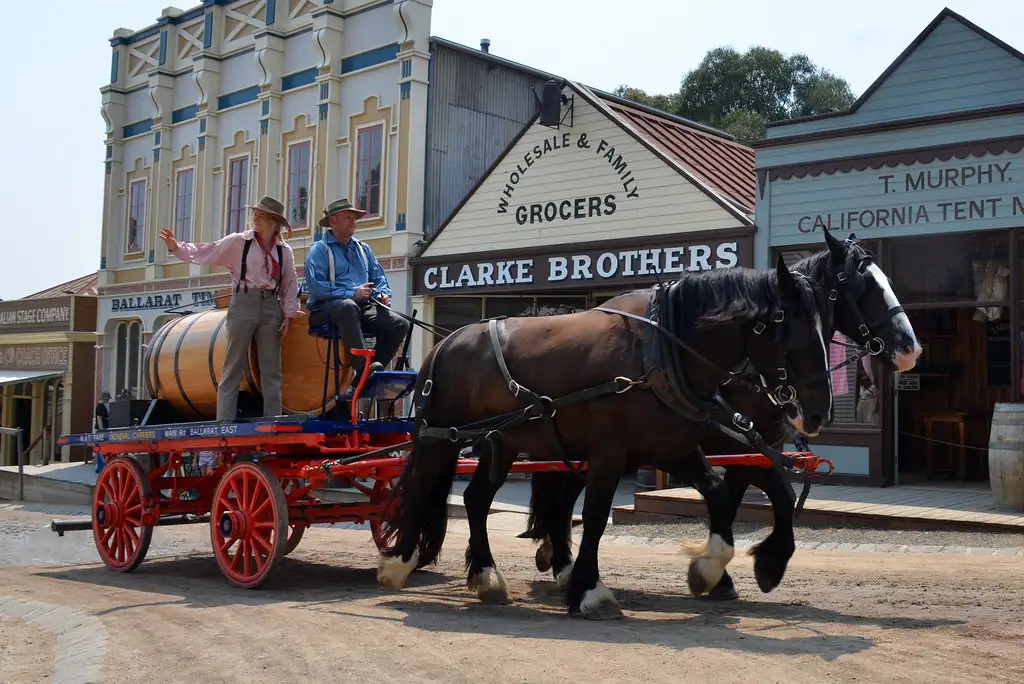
<point x="13" y="377"/>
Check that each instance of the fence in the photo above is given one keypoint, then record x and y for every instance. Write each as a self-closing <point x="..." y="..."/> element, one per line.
<point x="18" y="446"/>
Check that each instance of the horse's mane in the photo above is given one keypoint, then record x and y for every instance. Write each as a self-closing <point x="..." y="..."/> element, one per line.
<point x="816" y="264"/>
<point x="709" y="298"/>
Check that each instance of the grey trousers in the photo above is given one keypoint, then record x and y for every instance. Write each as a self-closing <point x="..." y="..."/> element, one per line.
<point x="255" y="314"/>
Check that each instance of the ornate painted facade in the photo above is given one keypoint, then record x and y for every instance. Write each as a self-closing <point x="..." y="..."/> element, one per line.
<point x="210" y="108"/>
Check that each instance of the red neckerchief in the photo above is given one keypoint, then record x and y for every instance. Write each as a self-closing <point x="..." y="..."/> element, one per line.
<point x="268" y="261"/>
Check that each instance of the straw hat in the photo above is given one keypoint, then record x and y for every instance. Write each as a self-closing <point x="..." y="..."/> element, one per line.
<point x="336" y="206"/>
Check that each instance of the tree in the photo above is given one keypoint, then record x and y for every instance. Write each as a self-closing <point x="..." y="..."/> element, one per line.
<point x="740" y="92"/>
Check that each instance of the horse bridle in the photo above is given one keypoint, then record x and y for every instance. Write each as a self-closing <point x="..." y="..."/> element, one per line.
<point x="783" y="394"/>
<point x="852" y="288"/>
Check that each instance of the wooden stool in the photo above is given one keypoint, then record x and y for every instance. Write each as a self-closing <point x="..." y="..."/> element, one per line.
<point x="955" y="418"/>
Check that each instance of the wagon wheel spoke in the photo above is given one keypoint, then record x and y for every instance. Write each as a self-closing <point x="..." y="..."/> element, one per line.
<point x="119" y="531"/>
<point x="255" y="521"/>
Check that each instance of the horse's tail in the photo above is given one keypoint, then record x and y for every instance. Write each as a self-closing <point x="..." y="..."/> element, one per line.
<point x="547" y="491"/>
<point x="425" y="483"/>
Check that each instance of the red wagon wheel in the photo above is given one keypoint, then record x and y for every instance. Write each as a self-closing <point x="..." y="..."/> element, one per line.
<point x="381" y="496"/>
<point x="122" y="490"/>
<point x="295" y="532"/>
<point x="248" y="524"/>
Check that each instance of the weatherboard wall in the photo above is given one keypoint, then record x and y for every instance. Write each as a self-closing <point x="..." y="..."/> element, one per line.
<point x="953" y="69"/>
<point x="962" y="173"/>
<point x="476" y="107"/>
<point x="587" y="182"/>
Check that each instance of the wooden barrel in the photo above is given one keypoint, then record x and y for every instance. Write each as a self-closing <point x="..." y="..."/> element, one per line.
<point x="185" y="359"/>
<point x="1006" y="455"/>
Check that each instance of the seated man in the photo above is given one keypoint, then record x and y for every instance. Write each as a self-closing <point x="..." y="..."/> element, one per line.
<point x="345" y="281"/>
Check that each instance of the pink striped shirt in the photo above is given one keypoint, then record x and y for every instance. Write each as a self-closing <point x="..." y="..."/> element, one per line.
<point x="227" y="252"/>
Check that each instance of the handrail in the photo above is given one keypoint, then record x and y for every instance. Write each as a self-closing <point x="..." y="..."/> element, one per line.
<point x="16" y="433"/>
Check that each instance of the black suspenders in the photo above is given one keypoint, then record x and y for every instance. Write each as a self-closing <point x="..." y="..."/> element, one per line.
<point x="245" y="255"/>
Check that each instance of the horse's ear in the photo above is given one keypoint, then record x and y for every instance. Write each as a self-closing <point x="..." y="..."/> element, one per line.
<point x="835" y="247"/>
<point x="786" y="280"/>
<point x="852" y="238"/>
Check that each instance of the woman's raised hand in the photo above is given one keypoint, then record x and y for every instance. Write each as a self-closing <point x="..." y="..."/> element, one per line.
<point x="168" y="238"/>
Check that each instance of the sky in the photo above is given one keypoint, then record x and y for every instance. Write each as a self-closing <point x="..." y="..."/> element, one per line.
<point x="53" y="147"/>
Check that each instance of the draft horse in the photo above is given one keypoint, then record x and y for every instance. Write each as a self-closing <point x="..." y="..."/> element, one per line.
<point x="866" y="310"/>
<point x="591" y="386"/>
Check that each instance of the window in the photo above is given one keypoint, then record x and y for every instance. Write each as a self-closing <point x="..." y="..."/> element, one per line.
<point x="238" y="190"/>
<point x="370" y="151"/>
<point x="136" y="216"/>
<point x="953" y="269"/>
<point x="183" y="205"/>
<point x="298" y="184"/>
<point x="128" y="356"/>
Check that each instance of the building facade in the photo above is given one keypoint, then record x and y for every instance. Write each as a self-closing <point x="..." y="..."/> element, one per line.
<point x="46" y="370"/>
<point x="213" y="107"/>
<point x="604" y="197"/>
<point x="927" y="168"/>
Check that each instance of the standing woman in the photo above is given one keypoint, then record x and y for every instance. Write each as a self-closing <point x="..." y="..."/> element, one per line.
<point x="263" y="304"/>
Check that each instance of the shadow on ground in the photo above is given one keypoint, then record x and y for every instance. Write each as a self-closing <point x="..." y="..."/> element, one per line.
<point x="438" y="602"/>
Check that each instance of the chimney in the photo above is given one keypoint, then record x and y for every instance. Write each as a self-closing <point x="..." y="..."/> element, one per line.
<point x="485" y="45"/>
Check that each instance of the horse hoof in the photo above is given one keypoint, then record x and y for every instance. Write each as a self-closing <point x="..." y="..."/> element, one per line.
<point x="490" y="587"/>
<point x="392" y="572"/>
<point x="599" y="604"/>
<point x="562" y="578"/>
<point x="722" y="592"/>
<point x="543" y="556"/>
<point x="703" y="575"/>
<point x="769" y="572"/>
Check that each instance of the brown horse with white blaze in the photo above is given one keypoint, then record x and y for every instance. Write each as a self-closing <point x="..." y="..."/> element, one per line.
<point x="591" y="386"/>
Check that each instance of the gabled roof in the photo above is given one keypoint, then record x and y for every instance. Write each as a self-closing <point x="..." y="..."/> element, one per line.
<point x="709" y="158"/>
<point x="946" y="13"/>
<point x="726" y="166"/>
<point x="84" y="286"/>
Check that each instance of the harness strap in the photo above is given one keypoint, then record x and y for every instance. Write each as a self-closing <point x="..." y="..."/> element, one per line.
<point x="543" y="405"/>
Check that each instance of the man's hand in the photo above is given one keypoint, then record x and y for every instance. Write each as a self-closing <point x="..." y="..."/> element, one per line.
<point x="285" y="325"/>
<point x="363" y="292"/>
<point x="168" y="238"/>
<point x="384" y="299"/>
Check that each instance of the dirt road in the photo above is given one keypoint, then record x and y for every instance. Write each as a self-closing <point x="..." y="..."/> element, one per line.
<point x="838" y="617"/>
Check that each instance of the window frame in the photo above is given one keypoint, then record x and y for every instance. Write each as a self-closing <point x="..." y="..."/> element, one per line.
<point x="179" y="234"/>
<point x="357" y="175"/>
<point x="140" y="234"/>
<point x="290" y="175"/>
<point x="123" y="360"/>
<point x="246" y="163"/>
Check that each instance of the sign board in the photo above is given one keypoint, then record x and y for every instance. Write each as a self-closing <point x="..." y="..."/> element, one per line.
<point x="34" y="357"/>
<point x="35" y="315"/>
<point x="160" y="301"/>
<point x="908" y="382"/>
<point x="909" y="194"/>
<point x="586" y="267"/>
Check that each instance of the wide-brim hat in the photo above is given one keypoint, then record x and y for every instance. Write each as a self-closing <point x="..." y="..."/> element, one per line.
<point x="336" y="206"/>
<point x="271" y="206"/>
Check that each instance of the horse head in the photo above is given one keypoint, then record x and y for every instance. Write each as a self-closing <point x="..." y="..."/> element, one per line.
<point x="793" y="344"/>
<point x="867" y="310"/>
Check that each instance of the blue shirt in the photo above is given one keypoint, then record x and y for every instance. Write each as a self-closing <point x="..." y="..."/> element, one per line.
<point x="354" y="264"/>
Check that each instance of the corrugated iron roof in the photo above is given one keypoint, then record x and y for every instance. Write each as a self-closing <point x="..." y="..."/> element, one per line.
<point x="86" y="286"/>
<point x="727" y="166"/>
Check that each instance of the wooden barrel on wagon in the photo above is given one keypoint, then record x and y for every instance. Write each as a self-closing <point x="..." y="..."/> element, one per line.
<point x="1006" y="455"/>
<point x="185" y="359"/>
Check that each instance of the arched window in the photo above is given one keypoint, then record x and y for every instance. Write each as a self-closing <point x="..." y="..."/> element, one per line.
<point x="129" y="358"/>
